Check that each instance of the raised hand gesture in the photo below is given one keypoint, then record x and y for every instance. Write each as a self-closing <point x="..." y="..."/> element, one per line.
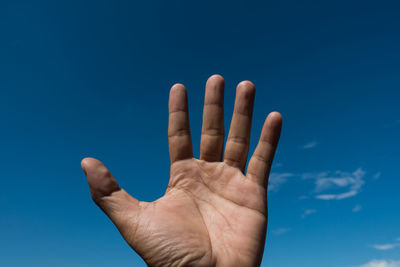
<point x="212" y="214"/>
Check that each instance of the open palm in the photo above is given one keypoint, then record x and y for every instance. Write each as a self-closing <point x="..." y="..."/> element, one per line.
<point x="211" y="214"/>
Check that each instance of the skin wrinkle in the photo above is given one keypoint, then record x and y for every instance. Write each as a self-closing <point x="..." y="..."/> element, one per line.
<point x="239" y="140"/>
<point x="262" y="159"/>
<point x="253" y="177"/>
<point x="211" y="157"/>
<point x="212" y="191"/>
<point x="163" y="248"/>
<point x="180" y="132"/>
<point x="218" y="195"/>
<point x="240" y="113"/>
<point x="129" y="218"/>
<point x="232" y="159"/>
<point x="267" y="143"/>
<point x="188" y="195"/>
<point x="213" y="134"/>
<point x="211" y="140"/>
<point x="178" y="111"/>
<point x="194" y="260"/>
<point x="210" y="204"/>
<point x="185" y="191"/>
<point x="214" y="104"/>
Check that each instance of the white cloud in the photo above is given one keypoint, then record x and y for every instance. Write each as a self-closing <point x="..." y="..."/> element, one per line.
<point x="385" y="246"/>
<point x="308" y="212"/>
<point x="280" y="231"/>
<point x="377" y="175"/>
<point x="351" y="193"/>
<point x="398" y="239"/>
<point x="310" y="145"/>
<point x="357" y="208"/>
<point x="381" y="263"/>
<point x="350" y="182"/>
<point x="276" y="180"/>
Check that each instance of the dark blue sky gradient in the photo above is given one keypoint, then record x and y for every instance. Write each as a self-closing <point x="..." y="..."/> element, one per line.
<point x="92" y="78"/>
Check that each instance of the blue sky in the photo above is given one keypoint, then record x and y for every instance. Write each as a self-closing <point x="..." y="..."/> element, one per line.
<point x="91" y="78"/>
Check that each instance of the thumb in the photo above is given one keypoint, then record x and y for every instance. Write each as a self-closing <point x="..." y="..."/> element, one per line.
<point x="106" y="193"/>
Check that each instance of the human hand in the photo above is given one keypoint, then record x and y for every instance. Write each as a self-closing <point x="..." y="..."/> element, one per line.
<point x="211" y="214"/>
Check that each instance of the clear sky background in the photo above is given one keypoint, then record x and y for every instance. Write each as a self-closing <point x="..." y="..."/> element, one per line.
<point x="91" y="78"/>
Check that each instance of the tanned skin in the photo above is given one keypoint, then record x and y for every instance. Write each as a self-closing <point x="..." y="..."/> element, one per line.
<point x="212" y="213"/>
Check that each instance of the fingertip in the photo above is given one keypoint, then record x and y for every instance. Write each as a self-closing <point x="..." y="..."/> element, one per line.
<point x="274" y="120"/>
<point x="84" y="162"/>
<point x="216" y="78"/>
<point x="275" y="116"/>
<point x="214" y="93"/>
<point x="272" y="128"/>
<point x="101" y="181"/>
<point x="247" y="85"/>
<point x="177" y="98"/>
<point x="245" y="93"/>
<point x="178" y="87"/>
<point x="89" y="163"/>
<point x="104" y="189"/>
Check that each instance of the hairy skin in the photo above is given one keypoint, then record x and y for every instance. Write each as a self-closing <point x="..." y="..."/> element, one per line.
<point x="211" y="214"/>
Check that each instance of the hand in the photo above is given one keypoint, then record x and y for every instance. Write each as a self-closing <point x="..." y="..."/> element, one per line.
<point x="211" y="214"/>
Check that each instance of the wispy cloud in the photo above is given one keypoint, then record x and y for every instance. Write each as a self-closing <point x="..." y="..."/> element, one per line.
<point x="385" y="246"/>
<point x="381" y="263"/>
<point x="310" y="145"/>
<point x="377" y="175"/>
<point x="280" y="231"/>
<point x="277" y="179"/>
<point x="337" y="196"/>
<point x="308" y="212"/>
<point x="350" y="182"/>
<point x="357" y="208"/>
